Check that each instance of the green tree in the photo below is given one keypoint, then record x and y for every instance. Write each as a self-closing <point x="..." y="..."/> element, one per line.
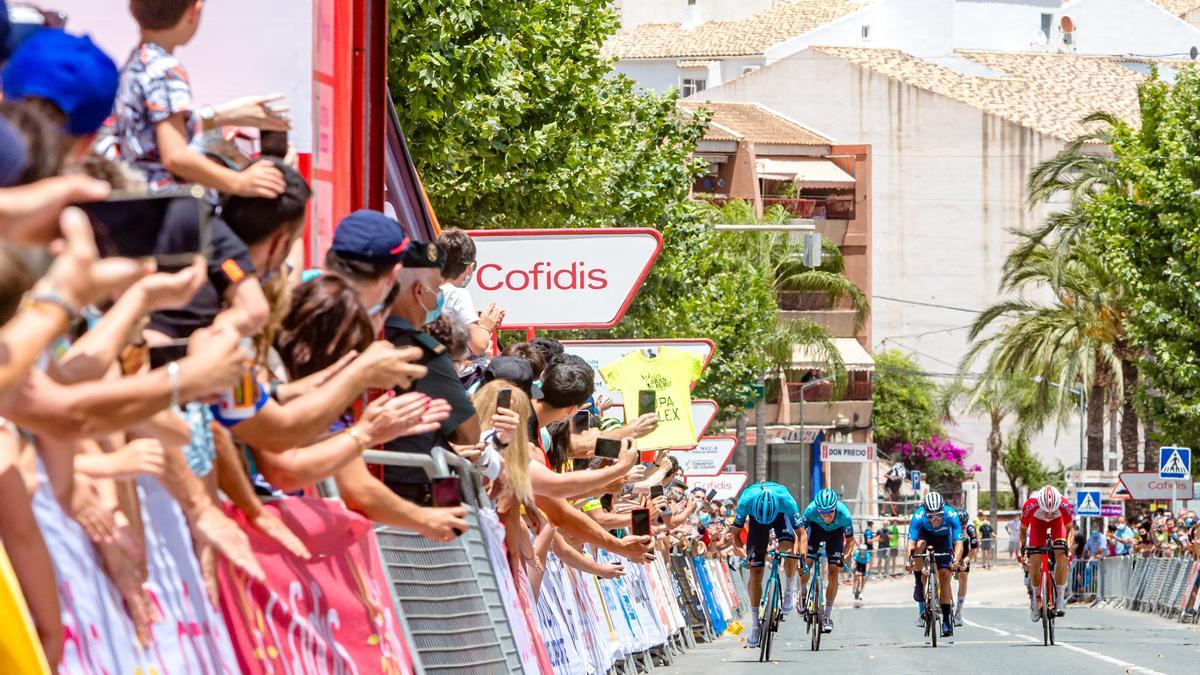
<point x="1022" y="466"/>
<point x="905" y="409"/>
<point x="1144" y="227"/>
<point x="516" y="120"/>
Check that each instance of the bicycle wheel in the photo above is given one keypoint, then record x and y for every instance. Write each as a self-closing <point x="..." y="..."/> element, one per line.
<point x="818" y="620"/>
<point x="932" y="609"/>
<point x="766" y="623"/>
<point x="1048" y="609"/>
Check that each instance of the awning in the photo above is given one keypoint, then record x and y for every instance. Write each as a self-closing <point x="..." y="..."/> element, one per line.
<point x="853" y="356"/>
<point x="815" y="173"/>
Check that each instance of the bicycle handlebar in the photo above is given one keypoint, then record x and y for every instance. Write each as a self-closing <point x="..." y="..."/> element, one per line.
<point x="777" y="554"/>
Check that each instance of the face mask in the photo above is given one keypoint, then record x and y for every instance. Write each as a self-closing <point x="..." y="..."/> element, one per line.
<point x="432" y="315"/>
<point x="376" y="309"/>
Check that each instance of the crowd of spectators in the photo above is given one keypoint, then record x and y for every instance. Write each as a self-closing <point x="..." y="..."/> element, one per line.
<point x="1159" y="534"/>
<point x="236" y="374"/>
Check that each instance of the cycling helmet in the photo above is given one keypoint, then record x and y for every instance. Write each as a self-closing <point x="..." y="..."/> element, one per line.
<point x="934" y="503"/>
<point x="862" y="547"/>
<point x="1049" y="498"/>
<point x="765" y="508"/>
<point x="826" y="501"/>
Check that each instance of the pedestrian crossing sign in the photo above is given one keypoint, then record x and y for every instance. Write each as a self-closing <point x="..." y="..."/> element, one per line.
<point x="1174" y="463"/>
<point x="1087" y="503"/>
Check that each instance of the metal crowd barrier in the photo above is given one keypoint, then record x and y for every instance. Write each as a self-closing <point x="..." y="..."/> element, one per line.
<point x="1163" y="586"/>
<point x="446" y="590"/>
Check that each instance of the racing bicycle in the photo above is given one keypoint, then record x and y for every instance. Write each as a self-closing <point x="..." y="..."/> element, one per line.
<point x="1049" y="608"/>
<point x="814" y="599"/>
<point x="769" y="613"/>
<point x="933" y="596"/>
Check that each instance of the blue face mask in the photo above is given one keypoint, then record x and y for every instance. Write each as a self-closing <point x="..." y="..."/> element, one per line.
<point x="432" y="315"/>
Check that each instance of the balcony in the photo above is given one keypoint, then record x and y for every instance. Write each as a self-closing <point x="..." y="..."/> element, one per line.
<point x="814" y="208"/>
<point x="838" y="318"/>
<point x="827" y="413"/>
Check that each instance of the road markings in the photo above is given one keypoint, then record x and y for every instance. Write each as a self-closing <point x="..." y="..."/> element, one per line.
<point x="1129" y="667"/>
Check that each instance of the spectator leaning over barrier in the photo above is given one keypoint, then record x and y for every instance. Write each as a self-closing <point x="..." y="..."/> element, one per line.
<point x="1124" y="537"/>
<point x="155" y="115"/>
<point x="367" y="250"/>
<point x="419" y="302"/>
<point x="458" y="271"/>
<point x="1095" y="546"/>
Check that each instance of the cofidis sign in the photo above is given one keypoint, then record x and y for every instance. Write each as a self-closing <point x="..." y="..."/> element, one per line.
<point x="583" y="278"/>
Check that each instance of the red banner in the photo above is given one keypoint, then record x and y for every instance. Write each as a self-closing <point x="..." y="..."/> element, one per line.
<point x="331" y="614"/>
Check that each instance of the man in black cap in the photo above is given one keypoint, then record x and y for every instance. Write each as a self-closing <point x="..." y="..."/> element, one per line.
<point x="418" y="302"/>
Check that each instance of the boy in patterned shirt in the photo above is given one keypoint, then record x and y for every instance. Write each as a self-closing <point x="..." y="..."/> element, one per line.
<point x="155" y="120"/>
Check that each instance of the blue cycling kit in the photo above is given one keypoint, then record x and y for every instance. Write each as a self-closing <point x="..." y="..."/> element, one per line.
<point x="920" y="528"/>
<point x="841" y="519"/>
<point x="787" y="504"/>
<point x="863" y="557"/>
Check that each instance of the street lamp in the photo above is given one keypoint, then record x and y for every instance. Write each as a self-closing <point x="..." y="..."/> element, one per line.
<point x="803" y="388"/>
<point x="1078" y="391"/>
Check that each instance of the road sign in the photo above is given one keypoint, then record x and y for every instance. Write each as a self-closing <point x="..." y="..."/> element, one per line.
<point x="727" y="485"/>
<point x="708" y="457"/>
<point x="583" y="278"/>
<point x="600" y="353"/>
<point x="847" y="452"/>
<point x="914" y="477"/>
<point x="1174" y="463"/>
<point x="1111" y="511"/>
<point x="1087" y="503"/>
<point x="1146" y="485"/>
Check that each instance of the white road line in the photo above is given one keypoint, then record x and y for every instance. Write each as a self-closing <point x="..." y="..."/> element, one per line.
<point x="1129" y="667"/>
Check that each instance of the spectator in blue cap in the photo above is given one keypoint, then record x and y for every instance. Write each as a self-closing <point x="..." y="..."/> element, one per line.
<point x="72" y="76"/>
<point x="367" y="249"/>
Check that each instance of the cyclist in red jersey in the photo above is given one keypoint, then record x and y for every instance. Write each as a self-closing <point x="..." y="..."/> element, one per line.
<point x="1048" y="518"/>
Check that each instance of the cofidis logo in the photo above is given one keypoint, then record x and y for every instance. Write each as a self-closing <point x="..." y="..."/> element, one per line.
<point x="542" y="276"/>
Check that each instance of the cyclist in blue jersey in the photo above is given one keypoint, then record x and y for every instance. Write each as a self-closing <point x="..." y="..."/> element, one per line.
<point x="826" y="520"/>
<point x="766" y="507"/>
<point x="970" y="545"/>
<point x="935" y="524"/>
<point x="862" y="565"/>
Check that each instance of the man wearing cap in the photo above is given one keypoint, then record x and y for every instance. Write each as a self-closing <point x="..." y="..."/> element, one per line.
<point x="418" y="302"/>
<point x="367" y="250"/>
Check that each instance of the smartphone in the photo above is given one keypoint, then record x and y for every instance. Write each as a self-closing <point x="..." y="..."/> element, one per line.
<point x="171" y="226"/>
<point x="711" y="495"/>
<point x="641" y="521"/>
<point x="606" y="502"/>
<point x="273" y="143"/>
<point x="163" y="354"/>
<point x="608" y="448"/>
<point x="580" y="464"/>
<point x="504" y="398"/>
<point x="646" y="401"/>
<point x="580" y="422"/>
<point x="656" y="491"/>
<point x="447" y="491"/>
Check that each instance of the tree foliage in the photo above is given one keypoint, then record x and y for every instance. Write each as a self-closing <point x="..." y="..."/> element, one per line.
<point x="515" y="119"/>
<point x="1023" y="468"/>
<point x="905" y="408"/>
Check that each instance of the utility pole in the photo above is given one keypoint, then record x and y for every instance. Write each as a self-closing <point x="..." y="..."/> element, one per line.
<point x="760" y="430"/>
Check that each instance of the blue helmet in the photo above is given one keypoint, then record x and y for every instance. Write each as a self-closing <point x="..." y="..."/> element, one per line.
<point x="826" y="501"/>
<point x="765" y="508"/>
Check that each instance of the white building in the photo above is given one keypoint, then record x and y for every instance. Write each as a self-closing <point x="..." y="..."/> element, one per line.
<point x="952" y="139"/>
<point x="698" y="44"/>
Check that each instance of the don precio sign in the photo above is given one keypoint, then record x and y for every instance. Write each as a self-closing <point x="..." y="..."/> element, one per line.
<point x="583" y="278"/>
<point x="847" y="452"/>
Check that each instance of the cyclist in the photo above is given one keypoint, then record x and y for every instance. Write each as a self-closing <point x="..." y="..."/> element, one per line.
<point x="935" y="524"/>
<point x="826" y="520"/>
<point x="1046" y="512"/>
<point x="768" y="507"/>
<point x="970" y="550"/>
<point x="862" y="562"/>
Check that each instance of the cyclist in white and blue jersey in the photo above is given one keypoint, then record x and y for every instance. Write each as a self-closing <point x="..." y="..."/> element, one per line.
<point x="826" y="520"/>
<point x="935" y="524"/>
<point x="767" y="507"/>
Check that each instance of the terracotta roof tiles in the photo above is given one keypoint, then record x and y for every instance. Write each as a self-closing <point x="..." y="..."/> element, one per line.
<point x="734" y="121"/>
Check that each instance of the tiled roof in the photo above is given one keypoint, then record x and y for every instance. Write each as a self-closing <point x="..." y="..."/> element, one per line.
<point x="734" y="121"/>
<point x="1178" y="7"/>
<point x="1050" y="93"/>
<point x="744" y="37"/>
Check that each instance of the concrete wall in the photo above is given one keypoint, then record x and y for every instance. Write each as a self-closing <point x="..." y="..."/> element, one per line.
<point x="638" y="12"/>
<point x="947" y="181"/>
<point x="654" y="74"/>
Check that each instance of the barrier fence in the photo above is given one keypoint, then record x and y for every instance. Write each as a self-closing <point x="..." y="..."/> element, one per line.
<point x="378" y="599"/>
<point x="1163" y="586"/>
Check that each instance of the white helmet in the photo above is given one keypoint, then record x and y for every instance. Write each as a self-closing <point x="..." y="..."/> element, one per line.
<point x="934" y="503"/>
<point x="1049" y="498"/>
<point x="862" y="547"/>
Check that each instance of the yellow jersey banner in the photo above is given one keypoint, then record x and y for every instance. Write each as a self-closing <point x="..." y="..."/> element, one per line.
<point x="669" y="374"/>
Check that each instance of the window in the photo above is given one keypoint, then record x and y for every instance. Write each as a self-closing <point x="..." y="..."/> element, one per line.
<point x="1047" y="21"/>
<point x="692" y="86"/>
<point x="866" y="31"/>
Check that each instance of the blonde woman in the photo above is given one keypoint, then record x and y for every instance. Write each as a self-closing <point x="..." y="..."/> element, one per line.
<point x="511" y="432"/>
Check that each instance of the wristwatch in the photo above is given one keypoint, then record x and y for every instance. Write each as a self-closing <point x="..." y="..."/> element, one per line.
<point x="208" y="116"/>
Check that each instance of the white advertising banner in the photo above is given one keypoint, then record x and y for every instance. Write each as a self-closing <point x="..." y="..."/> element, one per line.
<point x="847" y="452"/>
<point x="1147" y="485"/>
<point x="727" y="485"/>
<point x="600" y="353"/>
<point x="709" y="456"/>
<point x="583" y="278"/>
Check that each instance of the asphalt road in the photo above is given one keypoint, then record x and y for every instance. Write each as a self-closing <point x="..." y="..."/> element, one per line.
<point x="880" y="637"/>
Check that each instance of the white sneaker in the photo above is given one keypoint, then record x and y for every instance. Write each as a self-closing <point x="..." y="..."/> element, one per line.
<point x="789" y="600"/>
<point x="958" y="622"/>
<point x="920" y="621"/>
<point x="828" y="627"/>
<point x="1035" y="615"/>
<point x="755" y="635"/>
